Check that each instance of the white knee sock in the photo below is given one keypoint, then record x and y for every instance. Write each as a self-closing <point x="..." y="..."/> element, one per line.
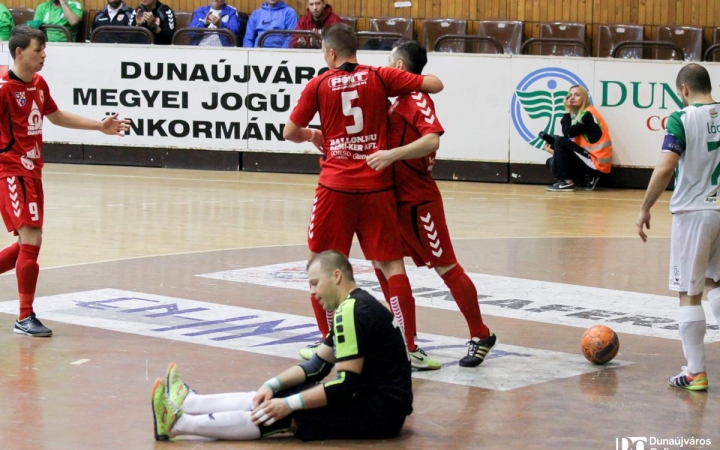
<point x="714" y="297"/>
<point x="231" y="426"/>
<point x="692" y="333"/>
<point x="196" y="404"/>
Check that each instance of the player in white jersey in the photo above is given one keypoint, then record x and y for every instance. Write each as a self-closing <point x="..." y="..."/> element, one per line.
<point x="692" y="145"/>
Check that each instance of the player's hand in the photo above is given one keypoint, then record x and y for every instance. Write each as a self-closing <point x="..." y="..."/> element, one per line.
<point x="548" y="149"/>
<point x="643" y="220"/>
<point x="381" y="159"/>
<point x="149" y="18"/>
<point x="317" y="139"/>
<point x="264" y="394"/>
<point x="566" y="103"/>
<point x="213" y="19"/>
<point x="270" y="412"/>
<point x="113" y="125"/>
<point x="140" y="17"/>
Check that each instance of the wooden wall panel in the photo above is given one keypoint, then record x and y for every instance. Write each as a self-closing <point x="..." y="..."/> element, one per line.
<point x="650" y="13"/>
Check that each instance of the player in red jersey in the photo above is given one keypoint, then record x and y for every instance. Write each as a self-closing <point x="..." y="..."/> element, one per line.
<point x="414" y="138"/>
<point x="351" y="198"/>
<point x="24" y="101"/>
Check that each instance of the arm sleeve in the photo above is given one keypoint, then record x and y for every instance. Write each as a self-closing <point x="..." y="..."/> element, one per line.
<point x="76" y="7"/>
<point x="49" y="107"/>
<point x="249" y="39"/>
<point x="233" y="23"/>
<point x="198" y="19"/>
<point x="290" y="24"/>
<point x="399" y="82"/>
<point x="307" y="106"/>
<point x="39" y="12"/>
<point x="167" y="27"/>
<point x="132" y="22"/>
<point x="586" y="125"/>
<point x="674" y="134"/>
<point x="419" y="111"/>
<point x="349" y="331"/>
<point x="6" y="24"/>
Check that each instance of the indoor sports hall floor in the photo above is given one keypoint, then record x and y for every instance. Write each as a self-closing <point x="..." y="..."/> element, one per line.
<point x="141" y="267"/>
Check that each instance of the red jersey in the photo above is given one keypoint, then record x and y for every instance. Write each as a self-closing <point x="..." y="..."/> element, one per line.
<point x="411" y="117"/>
<point x="22" y="108"/>
<point x="352" y="102"/>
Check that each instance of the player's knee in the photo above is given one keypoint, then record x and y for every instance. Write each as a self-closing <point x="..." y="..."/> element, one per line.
<point x="391" y="268"/>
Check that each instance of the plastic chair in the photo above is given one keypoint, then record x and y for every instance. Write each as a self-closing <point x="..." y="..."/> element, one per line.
<point x="433" y="29"/>
<point x="22" y="15"/>
<point x="689" y="39"/>
<point x="190" y="36"/>
<point x="401" y="25"/>
<point x="507" y="33"/>
<point x="673" y="50"/>
<point x="562" y="30"/>
<point x="117" y="34"/>
<point x="182" y="19"/>
<point x="609" y="36"/>
<point x="350" y="20"/>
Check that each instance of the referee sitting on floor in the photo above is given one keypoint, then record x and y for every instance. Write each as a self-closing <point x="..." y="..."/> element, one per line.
<point x="369" y="398"/>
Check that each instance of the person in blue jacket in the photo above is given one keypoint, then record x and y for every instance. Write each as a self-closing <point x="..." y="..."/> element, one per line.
<point x="217" y="14"/>
<point x="272" y="15"/>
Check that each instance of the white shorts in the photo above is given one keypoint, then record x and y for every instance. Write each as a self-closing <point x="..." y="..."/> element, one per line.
<point x="694" y="250"/>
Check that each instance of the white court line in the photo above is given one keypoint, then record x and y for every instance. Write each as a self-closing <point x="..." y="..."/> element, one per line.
<point x="80" y="361"/>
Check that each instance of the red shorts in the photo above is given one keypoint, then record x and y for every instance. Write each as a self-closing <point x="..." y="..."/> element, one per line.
<point x="425" y="234"/>
<point x="337" y="216"/>
<point x="21" y="202"/>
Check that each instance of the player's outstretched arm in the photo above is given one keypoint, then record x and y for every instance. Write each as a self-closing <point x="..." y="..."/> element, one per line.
<point x="298" y="134"/>
<point x="416" y="149"/>
<point x="431" y="84"/>
<point x="658" y="182"/>
<point x="111" y="124"/>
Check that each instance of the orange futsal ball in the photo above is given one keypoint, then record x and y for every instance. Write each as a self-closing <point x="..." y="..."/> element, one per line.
<point x="599" y="344"/>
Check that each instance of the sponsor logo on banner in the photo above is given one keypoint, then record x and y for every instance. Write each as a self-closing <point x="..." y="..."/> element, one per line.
<point x="537" y="104"/>
<point x="283" y="335"/>
<point x="516" y="298"/>
<point x="655" y="443"/>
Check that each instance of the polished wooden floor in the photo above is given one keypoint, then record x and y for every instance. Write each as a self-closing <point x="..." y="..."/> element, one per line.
<point x="154" y="230"/>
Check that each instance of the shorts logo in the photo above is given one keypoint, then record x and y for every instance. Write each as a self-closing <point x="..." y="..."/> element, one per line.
<point x="20" y="97"/>
<point x="28" y="164"/>
<point x="631" y="443"/>
<point x="538" y="102"/>
<point x="311" y="233"/>
<point x="432" y="235"/>
<point x="675" y="281"/>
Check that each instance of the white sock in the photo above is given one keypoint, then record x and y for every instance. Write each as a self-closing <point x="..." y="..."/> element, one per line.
<point x="714" y="297"/>
<point x="196" y="404"/>
<point x="692" y="333"/>
<point x="230" y="426"/>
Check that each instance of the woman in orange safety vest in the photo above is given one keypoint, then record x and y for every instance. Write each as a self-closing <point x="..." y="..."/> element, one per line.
<point x="584" y="151"/>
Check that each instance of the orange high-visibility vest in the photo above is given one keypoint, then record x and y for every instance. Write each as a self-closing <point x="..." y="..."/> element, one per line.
<point x="600" y="151"/>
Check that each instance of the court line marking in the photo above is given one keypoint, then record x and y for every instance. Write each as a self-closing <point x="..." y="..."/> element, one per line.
<point x="80" y="361"/>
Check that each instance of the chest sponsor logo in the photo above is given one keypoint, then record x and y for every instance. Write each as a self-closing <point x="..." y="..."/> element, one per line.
<point x="539" y="301"/>
<point x="35" y="121"/>
<point x="20" y="98"/>
<point x="348" y="81"/>
<point x="283" y="335"/>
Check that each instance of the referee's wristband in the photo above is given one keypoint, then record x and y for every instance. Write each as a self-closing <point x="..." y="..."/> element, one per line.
<point x="295" y="402"/>
<point x="274" y="384"/>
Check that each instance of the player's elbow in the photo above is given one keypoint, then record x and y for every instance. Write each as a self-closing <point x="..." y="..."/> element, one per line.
<point x="433" y="142"/>
<point x="432" y="84"/>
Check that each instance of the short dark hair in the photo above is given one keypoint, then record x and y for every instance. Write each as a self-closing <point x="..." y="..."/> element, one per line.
<point x="330" y="260"/>
<point x="22" y="35"/>
<point x="695" y="77"/>
<point x="341" y="38"/>
<point x="412" y="54"/>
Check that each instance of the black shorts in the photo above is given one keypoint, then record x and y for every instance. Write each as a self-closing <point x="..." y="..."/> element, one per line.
<point x="359" y="419"/>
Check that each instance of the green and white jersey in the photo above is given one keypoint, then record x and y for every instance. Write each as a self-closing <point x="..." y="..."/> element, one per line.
<point x="694" y="134"/>
<point x="50" y="14"/>
<point x="6" y="23"/>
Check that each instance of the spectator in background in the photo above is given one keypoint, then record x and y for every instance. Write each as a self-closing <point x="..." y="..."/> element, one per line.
<point x="6" y="23"/>
<point x="319" y="15"/>
<point x="217" y="14"/>
<point x="156" y="17"/>
<point x="272" y="15"/>
<point x="116" y="13"/>
<point x="60" y="12"/>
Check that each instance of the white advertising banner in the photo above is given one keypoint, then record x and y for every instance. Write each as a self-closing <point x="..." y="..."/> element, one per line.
<point x="5" y="59"/>
<point x="492" y="108"/>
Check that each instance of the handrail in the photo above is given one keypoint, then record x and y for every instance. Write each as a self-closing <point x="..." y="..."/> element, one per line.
<point x="222" y="31"/>
<point x="45" y="27"/>
<point x="307" y="33"/>
<point x="712" y="49"/>
<point x="126" y="30"/>
<point x="668" y="44"/>
<point x="468" y="37"/>
<point x="533" y="41"/>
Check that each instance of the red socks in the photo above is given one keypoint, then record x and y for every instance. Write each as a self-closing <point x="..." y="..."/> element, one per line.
<point x="27" y="270"/>
<point x="402" y="304"/>
<point x="8" y="257"/>
<point x="465" y="294"/>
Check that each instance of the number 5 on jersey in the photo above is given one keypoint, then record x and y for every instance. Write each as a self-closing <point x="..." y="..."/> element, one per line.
<point x="352" y="111"/>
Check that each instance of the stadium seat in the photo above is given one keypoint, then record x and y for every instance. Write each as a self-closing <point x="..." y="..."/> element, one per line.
<point x="401" y="25"/>
<point x="350" y="20"/>
<point x="689" y="39"/>
<point x="182" y="19"/>
<point x="433" y="29"/>
<point x="507" y="33"/>
<point x="562" y="30"/>
<point x="22" y="15"/>
<point x="610" y="36"/>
